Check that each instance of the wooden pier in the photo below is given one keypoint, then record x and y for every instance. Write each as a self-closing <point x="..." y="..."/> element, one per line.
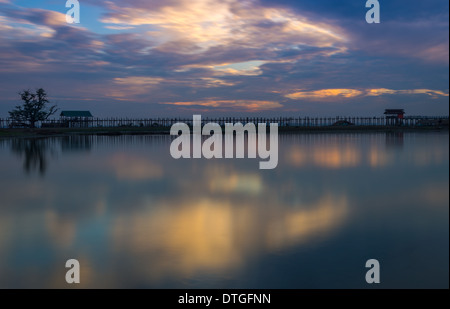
<point x="312" y="122"/>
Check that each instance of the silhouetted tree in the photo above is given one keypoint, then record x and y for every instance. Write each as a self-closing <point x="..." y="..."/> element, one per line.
<point x="34" y="108"/>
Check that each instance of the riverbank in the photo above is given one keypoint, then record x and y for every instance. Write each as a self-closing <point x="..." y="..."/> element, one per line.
<point x="42" y="132"/>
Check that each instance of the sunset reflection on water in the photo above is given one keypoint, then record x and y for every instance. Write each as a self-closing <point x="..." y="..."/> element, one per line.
<point x="135" y="217"/>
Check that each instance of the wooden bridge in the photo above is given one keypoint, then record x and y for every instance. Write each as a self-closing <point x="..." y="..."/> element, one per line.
<point x="411" y="121"/>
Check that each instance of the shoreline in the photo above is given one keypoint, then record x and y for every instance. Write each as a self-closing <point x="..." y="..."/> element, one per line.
<point x="114" y="131"/>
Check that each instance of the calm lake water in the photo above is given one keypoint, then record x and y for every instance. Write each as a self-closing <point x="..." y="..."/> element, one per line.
<point x="136" y="218"/>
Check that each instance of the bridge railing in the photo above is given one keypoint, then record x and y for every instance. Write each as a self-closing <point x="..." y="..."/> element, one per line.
<point x="282" y="122"/>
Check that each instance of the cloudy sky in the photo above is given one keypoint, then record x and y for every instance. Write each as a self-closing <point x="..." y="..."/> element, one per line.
<point x="167" y="58"/>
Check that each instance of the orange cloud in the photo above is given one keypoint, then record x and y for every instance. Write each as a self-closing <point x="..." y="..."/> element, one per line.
<point x="209" y="82"/>
<point x="24" y="29"/>
<point x="138" y="80"/>
<point x="382" y="91"/>
<point x="249" y="105"/>
<point x="209" y="23"/>
<point x="351" y="93"/>
<point x="437" y="53"/>
<point x="128" y="87"/>
<point x="125" y="88"/>
<point x="247" y="68"/>
<point x="325" y="93"/>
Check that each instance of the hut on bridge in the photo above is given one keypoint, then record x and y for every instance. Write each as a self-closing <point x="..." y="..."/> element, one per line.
<point x="394" y="116"/>
<point x="76" y="119"/>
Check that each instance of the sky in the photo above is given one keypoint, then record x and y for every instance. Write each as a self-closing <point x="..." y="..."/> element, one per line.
<point x="177" y="58"/>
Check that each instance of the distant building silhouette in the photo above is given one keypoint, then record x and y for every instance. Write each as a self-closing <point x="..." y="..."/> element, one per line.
<point x="76" y="118"/>
<point x="394" y="116"/>
<point x="76" y="114"/>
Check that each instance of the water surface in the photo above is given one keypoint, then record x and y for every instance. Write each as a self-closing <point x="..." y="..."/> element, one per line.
<point x="136" y="218"/>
